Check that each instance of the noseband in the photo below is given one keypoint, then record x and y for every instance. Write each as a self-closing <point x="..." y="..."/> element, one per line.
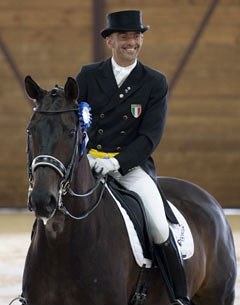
<point x="59" y="168"/>
<point x="46" y="160"/>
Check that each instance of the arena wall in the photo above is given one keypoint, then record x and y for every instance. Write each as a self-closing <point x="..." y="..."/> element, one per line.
<point x="51" y="40"/>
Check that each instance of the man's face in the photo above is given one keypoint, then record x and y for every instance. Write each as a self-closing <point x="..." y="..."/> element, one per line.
<point x="125" y="46"/>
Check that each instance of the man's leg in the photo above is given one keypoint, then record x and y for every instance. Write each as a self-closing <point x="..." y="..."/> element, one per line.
<point x="140" y="182"/>
<point x="174" y="270"/>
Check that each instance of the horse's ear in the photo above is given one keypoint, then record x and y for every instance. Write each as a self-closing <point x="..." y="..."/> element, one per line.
<point x="32" y="88"/>
<point x="71" y="89"/>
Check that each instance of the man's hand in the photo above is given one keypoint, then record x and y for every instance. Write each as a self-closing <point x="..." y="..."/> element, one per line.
<point x="105" y="166"/>
<point x="91" y="160"/>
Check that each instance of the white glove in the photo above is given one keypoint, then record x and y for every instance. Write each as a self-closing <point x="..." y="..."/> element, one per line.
<point x="91" y="160"/>
<point x="106" y="165"/>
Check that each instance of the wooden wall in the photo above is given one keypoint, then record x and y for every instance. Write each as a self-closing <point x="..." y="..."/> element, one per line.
<point x="50" y="40"/>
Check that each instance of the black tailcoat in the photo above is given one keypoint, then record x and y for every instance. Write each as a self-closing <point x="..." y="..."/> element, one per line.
<point x="130" y="119"/>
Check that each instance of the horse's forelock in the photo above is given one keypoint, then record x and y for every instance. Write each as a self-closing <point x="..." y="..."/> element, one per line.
<point x="56" y="91"/>
<point x="54" y="100"/>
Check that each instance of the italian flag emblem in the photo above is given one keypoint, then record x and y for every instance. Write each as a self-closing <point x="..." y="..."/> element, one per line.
<point x="136" y="110"/>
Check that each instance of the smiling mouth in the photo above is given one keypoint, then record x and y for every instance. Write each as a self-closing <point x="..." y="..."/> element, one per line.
<point x="130" y="50"/>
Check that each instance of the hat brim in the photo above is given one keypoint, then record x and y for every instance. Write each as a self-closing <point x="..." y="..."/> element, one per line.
<point x="108" y="31"/>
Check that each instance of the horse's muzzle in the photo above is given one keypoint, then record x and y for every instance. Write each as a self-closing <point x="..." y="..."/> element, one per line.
<point x="43" y="204"/>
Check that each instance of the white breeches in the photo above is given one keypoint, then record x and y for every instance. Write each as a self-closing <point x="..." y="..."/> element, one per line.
<point x="140" y="182"/>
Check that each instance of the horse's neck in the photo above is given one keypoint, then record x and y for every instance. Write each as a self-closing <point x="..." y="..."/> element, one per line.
<point x="83" y="178"/>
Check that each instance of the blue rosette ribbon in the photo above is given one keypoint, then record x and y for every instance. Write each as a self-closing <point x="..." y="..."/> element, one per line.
<point x="85" y="120"/>
<point x="84" y="114"/>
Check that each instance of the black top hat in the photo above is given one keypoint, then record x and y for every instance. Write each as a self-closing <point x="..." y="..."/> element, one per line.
<point x="124" y="21"/>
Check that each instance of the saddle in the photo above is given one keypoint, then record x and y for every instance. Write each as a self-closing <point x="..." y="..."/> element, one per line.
<point x="133" y="205"/>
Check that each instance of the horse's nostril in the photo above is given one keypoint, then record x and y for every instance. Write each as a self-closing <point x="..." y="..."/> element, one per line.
<point x="44" y="205"/>
<point x="52" y="204"/>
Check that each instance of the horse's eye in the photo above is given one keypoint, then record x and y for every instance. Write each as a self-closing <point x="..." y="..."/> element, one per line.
<point x="72" y="133"/>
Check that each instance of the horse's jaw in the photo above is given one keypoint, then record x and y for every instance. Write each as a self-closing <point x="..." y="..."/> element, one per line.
<point x="55" y="226"/>
<point x="45" y="220"/>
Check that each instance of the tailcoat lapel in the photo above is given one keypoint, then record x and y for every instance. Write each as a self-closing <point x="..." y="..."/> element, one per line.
<point x="108" y="83"/>
<point x="106" y="78"/>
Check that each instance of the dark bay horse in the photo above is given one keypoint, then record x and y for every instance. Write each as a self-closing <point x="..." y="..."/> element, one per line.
<point x="88" y="260"/>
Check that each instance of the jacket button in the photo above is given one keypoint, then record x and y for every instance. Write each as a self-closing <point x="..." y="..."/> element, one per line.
<point x="99" y="147"/>
<point x="125" y="117"/>
<point x="100" y="131"/>
<point x="122" y="132"/>
<point x="102" y="115"/>
<point x="118" y="148"/>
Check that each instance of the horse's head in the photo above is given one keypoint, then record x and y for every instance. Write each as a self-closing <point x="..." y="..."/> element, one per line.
<point x="53" y="140"/>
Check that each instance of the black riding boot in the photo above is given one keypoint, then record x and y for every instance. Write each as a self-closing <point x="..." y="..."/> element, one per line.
<point x="171" y="264"/>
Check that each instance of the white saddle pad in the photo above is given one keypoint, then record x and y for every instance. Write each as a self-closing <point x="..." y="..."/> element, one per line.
<point x="182" y="234"/>
<point x="180" y="231"/>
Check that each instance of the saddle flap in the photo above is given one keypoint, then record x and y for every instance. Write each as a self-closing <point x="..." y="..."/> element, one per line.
<point x="133" y="205"/>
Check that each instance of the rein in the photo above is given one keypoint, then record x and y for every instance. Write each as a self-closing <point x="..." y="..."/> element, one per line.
<point x="90" y="192"/>
<point x="65" y="173"/>
<point x="20" y="299"/>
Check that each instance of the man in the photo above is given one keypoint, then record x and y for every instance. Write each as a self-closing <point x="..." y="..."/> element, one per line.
<point x="129" y="104"/>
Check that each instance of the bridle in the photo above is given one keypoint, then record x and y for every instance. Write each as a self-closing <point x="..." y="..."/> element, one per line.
<point x="64" y="172"/>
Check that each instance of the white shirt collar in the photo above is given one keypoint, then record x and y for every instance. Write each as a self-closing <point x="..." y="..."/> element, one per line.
<point x="117" y="68"/>
<point x="121" y="73"/>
